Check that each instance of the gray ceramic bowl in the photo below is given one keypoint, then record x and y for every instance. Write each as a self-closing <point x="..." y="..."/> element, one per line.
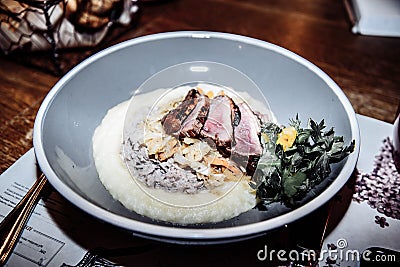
<point x="75" y="106"/>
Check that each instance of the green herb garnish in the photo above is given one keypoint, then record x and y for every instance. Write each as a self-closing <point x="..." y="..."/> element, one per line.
<point x="295" y="159"/>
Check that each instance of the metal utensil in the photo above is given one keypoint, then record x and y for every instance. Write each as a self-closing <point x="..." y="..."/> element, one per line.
<point x="14" y="223"/>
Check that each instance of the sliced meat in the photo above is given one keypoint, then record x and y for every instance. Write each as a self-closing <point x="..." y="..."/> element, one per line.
<point x="247" y="148"/>
<point x="218" y="128"/>
<point x="247" y="141"/>
<point x="172" y="121"/>
<point x="193" y="123"/>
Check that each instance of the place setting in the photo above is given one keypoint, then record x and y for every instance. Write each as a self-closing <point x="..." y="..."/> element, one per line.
<point x="197" y="146"/>
<point x="221" y="173"/>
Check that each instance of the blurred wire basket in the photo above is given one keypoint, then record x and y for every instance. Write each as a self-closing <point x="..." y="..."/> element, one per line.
<point x="41" y="28"/>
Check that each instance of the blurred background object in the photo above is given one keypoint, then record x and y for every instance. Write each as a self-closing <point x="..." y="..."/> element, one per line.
<point x="57" y="25"/>
<point x="375" y="17"/>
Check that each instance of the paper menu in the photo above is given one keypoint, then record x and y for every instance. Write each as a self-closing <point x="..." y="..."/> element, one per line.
<point x="41" y="241"/>
<point x="57" y="233"/>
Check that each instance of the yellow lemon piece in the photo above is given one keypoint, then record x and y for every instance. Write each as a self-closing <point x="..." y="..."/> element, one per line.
<point x="286" y="137"/>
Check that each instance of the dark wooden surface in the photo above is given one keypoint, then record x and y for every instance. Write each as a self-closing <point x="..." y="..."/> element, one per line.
<point x="366" y="68"/>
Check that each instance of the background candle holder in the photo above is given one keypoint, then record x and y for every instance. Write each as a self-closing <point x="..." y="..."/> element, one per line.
<point x="61" y="32"/>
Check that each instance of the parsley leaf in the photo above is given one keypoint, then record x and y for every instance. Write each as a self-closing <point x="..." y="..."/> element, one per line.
<point x="288" y="175"/>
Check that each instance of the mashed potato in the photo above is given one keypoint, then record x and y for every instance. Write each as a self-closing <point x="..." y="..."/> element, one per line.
<point x="218" y="204"/>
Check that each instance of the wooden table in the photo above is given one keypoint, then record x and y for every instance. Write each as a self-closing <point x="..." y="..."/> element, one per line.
<point x="366" y="68"/>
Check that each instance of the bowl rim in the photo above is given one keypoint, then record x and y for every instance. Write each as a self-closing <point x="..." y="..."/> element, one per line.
<point x="195" y="233"/>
